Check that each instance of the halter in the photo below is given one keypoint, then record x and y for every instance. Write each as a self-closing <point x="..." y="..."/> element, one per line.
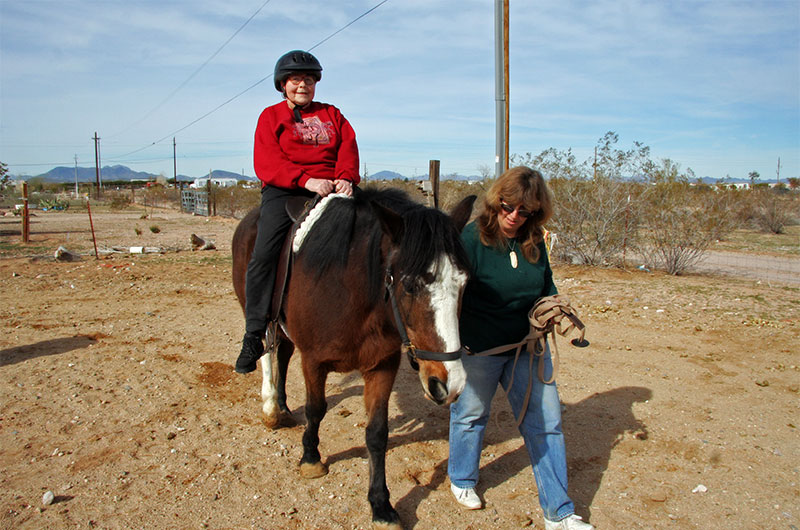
<point x="414" y="354"/>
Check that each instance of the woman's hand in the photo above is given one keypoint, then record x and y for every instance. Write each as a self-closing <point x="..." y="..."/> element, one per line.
<point x="321" y="187"/>
<point x="344" y="186"/>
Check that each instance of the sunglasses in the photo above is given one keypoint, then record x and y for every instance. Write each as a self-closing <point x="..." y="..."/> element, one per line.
<point x="510" y="209"/>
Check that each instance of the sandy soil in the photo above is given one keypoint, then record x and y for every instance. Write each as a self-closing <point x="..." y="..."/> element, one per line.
<point x="117" y="394"/>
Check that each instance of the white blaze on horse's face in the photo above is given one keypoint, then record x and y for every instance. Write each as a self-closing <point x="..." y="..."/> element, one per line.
<point x="445" y="294"/>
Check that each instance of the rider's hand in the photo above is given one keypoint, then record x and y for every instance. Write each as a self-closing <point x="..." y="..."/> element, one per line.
<point x="344" y="186"/>
<point x="321" y="187"/>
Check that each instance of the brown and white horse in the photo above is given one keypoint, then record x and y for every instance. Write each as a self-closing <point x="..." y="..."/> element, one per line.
<point x="374" y="275"/>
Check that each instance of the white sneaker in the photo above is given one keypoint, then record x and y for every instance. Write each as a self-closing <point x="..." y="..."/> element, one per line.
<point x="571" y="522"/>
<point x="466" y="497"/>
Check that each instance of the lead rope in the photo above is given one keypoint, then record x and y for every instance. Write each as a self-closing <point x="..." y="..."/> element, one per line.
<point x="546" y="318"/>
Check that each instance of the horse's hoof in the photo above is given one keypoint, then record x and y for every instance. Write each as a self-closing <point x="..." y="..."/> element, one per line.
<point x="287" y="420"/>
<point x="315" y="470"/>
<point x="271" y="421"/>
<point x="380" y="525"/>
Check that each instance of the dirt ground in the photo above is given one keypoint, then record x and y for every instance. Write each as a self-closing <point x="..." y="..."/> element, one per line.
<point x="117" y="395"/>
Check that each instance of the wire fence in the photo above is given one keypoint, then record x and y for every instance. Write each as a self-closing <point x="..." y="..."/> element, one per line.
<point x="756" y="266"/>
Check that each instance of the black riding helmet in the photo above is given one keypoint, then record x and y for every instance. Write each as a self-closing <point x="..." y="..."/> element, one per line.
<point x="295" y="61"/>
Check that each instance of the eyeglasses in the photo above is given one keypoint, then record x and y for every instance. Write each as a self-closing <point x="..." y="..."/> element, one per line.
<point x="296" y="79"/>
<point x="510" y="209"/>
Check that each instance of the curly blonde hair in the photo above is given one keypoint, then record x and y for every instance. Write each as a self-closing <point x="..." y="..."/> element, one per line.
<point x="526" y="187"/>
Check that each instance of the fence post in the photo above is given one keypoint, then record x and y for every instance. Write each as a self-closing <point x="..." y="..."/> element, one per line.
<point x="433" y="176"/>
<point x="26" y="220"/>
<point x="208" y="194"/>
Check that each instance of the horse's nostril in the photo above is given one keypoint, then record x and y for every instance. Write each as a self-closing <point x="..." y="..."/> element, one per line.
<point x="437" y="389"/>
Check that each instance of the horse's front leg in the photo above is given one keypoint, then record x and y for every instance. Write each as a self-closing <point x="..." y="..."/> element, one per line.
<point x="273" y="386"/>
<point x="269" y="393"/>
<point x="285" y="351"/>
<point x="377" y="388"/>
<point x="316" y="406"/>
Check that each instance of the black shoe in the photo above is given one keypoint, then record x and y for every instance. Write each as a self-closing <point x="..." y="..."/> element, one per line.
<point x="252" y="350"/>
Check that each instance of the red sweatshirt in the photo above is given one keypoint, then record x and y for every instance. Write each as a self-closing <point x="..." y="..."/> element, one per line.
<point x="287" y="153"/>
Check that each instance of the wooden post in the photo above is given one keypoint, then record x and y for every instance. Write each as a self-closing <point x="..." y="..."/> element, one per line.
<point x="91" y="224"/>
<point x="433" y="176"/>
<point x="208" y="193"/>
<point x="26" y="220"/>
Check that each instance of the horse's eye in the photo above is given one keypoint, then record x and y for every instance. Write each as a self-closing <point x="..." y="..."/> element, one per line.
<point x="410" y="285"/>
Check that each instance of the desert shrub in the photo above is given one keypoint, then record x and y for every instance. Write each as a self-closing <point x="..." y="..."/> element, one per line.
<point x="773" y="210"/>
<point x="594" y="219"/>
<point x="118" y="201"/>
<point x="681" y="221"/>
<point x="161" y="197"/>
<point x="53" y="203"/>
<point x="235" y="201"/>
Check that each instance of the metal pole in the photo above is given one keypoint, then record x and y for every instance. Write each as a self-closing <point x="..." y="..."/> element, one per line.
<point x="96" y="167"/>
<point x="506" y="81"/>
<point x="499" y="89"/>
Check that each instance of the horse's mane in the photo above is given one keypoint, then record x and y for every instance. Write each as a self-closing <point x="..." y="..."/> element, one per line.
<point x="427" y="234"/>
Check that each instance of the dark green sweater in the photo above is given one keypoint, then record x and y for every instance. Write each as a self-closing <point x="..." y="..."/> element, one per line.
<point x="498" y="297"/>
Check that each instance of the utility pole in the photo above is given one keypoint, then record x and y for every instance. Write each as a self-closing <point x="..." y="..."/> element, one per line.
<point x="97" y="166"/>
<point x="779" y="170"/>
<point x="174" y="162"/>
<point x="500" y="87"/>
<point x="506" y="81"/>
<point x="76" y="176"/>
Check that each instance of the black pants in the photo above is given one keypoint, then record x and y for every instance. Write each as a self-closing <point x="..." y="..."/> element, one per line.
<point x="273" y="225"/>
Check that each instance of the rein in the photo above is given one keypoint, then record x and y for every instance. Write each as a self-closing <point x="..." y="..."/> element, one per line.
<point x="413" y="353"/>
<point x="546" y="318"/>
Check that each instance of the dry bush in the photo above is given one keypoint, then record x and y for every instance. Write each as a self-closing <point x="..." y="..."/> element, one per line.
<point x="595" y="219"/>
<point x="774" y="210"/>
<point x="677" y="226"/>
<point x="161" y="197"/>
<point x="235" y="201"/>
<point x="118" y="200"/>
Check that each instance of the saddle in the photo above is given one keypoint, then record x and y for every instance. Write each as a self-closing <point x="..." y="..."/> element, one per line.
<point x="296" y="208"/>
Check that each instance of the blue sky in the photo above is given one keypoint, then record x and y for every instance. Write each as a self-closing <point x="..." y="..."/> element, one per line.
<point x="714" y="86"/>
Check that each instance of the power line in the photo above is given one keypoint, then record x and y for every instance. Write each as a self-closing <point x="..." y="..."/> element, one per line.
<point x="193" y="74"/>
<point x="376" y="6"/>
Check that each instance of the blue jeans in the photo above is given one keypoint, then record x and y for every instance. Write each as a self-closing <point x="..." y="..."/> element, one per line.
<point x="541" y="428"/>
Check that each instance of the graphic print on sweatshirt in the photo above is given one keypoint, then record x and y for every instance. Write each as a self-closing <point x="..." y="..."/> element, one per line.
<point x="314" y="131"/>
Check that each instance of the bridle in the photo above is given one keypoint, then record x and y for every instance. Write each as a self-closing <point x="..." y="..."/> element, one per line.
<point x="413" y="353"/>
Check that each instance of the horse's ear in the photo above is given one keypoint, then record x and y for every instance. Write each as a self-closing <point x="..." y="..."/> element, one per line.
<point x="462" y="211"/>
<point x="391" y="222"/>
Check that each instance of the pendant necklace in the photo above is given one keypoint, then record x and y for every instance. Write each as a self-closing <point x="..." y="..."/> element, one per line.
<point x="513" y="255"/>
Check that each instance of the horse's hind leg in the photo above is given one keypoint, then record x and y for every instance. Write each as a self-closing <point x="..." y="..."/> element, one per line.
<point x="377" y="388"/>
<point x="316" y="407"/>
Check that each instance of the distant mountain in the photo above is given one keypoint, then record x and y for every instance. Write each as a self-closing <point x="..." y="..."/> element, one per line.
<point x="65" y="174"/>
<point x="391" y="175"/>
<point x="386" y="175"/>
